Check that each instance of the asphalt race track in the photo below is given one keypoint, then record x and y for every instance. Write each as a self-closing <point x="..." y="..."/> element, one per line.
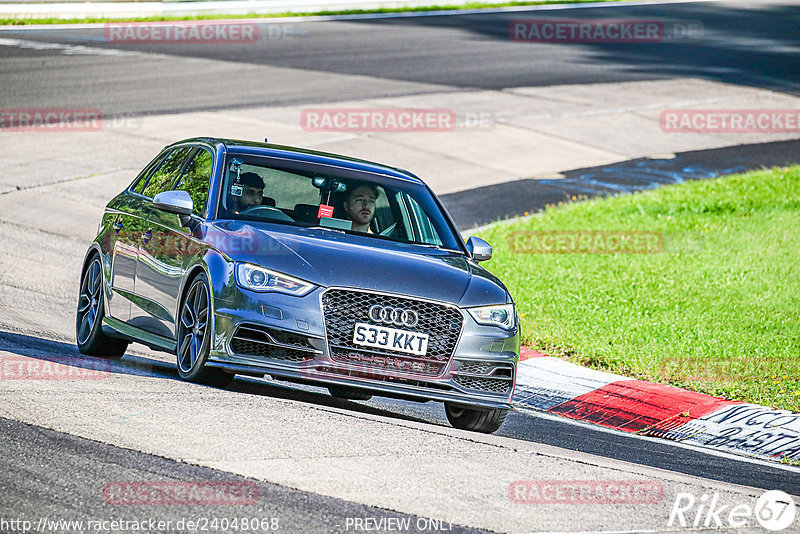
<point x="318" y="463"/>
<point x="76" y="468"/>
<point x="324" y="61"/>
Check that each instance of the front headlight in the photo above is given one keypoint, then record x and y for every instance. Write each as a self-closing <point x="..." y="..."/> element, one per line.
<point x="257" y="278"/>
<point x="501" y="315"/>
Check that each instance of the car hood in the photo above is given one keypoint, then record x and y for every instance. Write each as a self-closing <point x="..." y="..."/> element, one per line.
<point x="332" y="258"/>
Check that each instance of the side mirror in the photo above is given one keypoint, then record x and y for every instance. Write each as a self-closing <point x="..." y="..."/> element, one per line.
<point x="480" y="249"/>
<point x="178" y="202"/>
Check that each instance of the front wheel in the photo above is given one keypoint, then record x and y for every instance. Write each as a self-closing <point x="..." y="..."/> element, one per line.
<point x="89" y="318"/>
<point x="194" y="337"/>
<point x="475" y="419"/>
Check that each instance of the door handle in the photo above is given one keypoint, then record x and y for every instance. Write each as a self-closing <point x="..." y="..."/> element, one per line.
<point x="118" y="226"/>
<point x="147" y="236"/>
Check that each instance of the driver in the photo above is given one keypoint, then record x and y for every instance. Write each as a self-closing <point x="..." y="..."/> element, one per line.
<point x="252" y="192"/>
<point x="360" y="205"/>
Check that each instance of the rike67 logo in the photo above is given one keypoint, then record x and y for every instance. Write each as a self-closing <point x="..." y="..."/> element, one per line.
<point x="774" y="510"/>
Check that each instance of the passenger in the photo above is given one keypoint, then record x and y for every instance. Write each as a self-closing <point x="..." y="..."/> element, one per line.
<point x="252" y="192"/>
<point x="360" y="205"/>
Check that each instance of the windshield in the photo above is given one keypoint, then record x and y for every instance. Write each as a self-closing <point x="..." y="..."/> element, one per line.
<point x="304" y="194"/>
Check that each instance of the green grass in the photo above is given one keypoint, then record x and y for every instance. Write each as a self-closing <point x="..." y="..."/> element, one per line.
<point x="716" y="311"/>
<point x="469" y="5"/>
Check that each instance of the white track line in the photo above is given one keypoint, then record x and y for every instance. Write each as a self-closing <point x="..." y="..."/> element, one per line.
<point x="66" y="49"/>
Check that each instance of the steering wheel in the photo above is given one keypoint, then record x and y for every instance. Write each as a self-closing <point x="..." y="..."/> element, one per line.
<point x="267" y="212"/>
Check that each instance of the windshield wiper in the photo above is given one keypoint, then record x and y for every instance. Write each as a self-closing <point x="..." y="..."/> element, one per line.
<point x="439" y="247"/>
<point x="338" y="231"/>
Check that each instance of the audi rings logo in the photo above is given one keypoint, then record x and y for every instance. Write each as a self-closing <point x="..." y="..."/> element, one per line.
<point x="395" y="316"/>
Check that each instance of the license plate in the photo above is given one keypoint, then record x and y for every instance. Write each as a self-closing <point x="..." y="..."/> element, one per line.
<point x="370" y="335"/>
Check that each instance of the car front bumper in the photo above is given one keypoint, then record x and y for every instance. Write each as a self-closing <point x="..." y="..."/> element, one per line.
<point x="285" y="337"/>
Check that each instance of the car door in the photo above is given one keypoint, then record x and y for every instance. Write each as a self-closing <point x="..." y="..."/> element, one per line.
<point x="123" y="260"/>
<point x="123" y="221"/>
<point x="140" y="228"/>
<point x="168" y="249"/>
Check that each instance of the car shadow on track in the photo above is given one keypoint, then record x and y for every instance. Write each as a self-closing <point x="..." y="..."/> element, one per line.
<point x="288" y="392"/>
<point x="37" y="349"/>
<point x="67" y="354"/>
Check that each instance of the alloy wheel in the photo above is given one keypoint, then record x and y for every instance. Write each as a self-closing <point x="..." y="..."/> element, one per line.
<point x="194" y="322"/>
<point x="89" y="302"/>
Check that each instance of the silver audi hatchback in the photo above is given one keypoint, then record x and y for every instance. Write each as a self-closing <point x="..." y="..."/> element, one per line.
<point x="265" y="260"/>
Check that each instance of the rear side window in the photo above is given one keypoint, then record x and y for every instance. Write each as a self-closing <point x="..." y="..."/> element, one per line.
<point x="422" y="228"/>
<point x="167" y="172"/>
<point x="196" y="179"/>
<point x="139" y="187"/>
<point x="141" y="180"/>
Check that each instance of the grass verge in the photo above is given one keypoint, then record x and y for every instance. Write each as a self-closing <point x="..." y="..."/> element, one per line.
<point x="459" y="7"/>
<point x="714" y="310"/>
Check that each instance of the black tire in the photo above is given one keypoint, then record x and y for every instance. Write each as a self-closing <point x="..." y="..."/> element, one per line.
<point x="194" y="337"/>
<point x="89" y="317"/>
<point x="343" y="392"/>
<point x="475" y="419"/>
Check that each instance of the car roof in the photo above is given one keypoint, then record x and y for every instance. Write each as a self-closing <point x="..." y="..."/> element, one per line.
<point x="302" y="154"/>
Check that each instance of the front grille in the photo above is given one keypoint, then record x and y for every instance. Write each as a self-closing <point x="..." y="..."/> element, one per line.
<point x="478" y="368"/>
<point x="252" y="340"/>
<point x="492" y="377"/>
<point x="250" y="348"/>
<point x="344" y="308"/>
<point x="287" y="338"/>
<point x="493" y="385"/>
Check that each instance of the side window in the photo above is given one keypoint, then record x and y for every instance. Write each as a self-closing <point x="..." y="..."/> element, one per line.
<point x="196" y="179"/>
<point x="141" y="180"/>
<point x="421" y="223"/>
<point x="139" y="187"/>
<point x="165" y="175"/>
